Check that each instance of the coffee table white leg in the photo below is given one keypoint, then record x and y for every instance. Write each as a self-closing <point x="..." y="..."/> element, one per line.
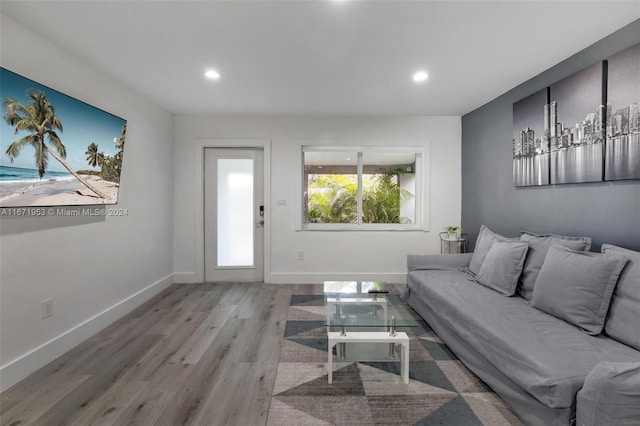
<point x="331" y="344"/>
<point x="404" y="363"/>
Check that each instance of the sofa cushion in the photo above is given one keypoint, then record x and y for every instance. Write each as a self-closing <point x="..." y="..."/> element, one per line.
<point x="576" y="286"/>
<point x="610" y="395"/>
<point x="438" y="261"/>
<point x="502" y="266"/>
<point x="538" y="247"/>
<point x="545" y="356"/>
<point x="486" y="238"/>
<point x="623" y="319"/>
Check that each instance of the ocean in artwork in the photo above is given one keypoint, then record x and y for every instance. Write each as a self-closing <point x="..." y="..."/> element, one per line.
<point x="21" y="174"/>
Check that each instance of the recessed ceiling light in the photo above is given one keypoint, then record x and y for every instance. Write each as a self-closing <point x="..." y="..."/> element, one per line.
<point x="420" y="76"/>
<point x="212" y="74"/>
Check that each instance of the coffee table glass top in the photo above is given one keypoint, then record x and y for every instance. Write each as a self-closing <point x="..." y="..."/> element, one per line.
<point x="364" y="304"/>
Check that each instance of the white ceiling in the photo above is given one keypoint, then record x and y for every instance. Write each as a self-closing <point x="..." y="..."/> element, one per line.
<point x="322" y="57"/>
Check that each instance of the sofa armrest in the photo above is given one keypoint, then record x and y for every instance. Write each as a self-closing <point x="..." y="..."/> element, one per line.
<point x="417" y="262"/>
<point x="610" y="395"/>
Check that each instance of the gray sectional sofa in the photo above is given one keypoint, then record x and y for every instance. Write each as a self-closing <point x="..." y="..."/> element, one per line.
<point x="551" y="327"/>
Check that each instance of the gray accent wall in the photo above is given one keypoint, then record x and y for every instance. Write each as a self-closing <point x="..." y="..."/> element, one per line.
<point x="608" y="212"/>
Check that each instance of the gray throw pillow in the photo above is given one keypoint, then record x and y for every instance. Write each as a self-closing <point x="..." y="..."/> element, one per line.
<point x="576" y="286"/>
<point x="486" y="238"/>
<point x="538" y="247"/>
<point x="502" y="266"/>
<point x="623" y="320"/>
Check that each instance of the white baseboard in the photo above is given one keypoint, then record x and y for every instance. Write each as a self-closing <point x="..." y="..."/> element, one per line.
<point x="21" y="367"/>
<point x="184" y="277"/>
<point x="319" y="277"/>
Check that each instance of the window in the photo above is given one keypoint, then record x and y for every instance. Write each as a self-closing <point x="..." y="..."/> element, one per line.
<point x="361" y="188"/>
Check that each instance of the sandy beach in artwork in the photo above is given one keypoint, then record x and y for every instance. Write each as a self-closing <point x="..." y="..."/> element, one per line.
<point x="58" y="192"/>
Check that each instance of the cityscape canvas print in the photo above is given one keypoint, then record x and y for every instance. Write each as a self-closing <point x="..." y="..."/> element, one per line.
<point x="623" y="116"/>
<point x="585" y="128"/>
<point x="54" y="149"/>
<point x="577" y="127"/>
<point x="531" y="140"/>
<point x="559" y="131"/>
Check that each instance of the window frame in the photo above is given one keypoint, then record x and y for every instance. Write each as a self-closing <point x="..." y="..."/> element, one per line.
<point x="420" y="194"/>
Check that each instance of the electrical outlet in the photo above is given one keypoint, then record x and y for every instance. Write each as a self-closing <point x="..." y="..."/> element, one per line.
<point x="47" y="308"/>
<point x="300" y="255"/>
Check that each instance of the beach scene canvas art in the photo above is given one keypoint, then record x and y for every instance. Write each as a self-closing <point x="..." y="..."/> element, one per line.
<point x="56" y="150"/>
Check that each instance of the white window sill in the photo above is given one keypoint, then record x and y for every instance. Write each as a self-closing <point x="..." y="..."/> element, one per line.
<point x="345" y="227"/>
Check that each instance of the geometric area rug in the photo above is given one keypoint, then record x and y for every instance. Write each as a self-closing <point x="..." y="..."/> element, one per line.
<point x="441" y="391"/>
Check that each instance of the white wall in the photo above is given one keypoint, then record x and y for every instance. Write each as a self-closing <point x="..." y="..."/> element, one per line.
<point x="96" y="270"/>
<point x="339" y="255"/>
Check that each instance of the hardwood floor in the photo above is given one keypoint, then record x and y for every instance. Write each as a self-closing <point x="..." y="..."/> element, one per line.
<point x="196" y="354"/>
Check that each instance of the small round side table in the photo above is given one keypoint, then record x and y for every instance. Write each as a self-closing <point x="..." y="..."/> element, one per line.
<point x="451" y="245"/>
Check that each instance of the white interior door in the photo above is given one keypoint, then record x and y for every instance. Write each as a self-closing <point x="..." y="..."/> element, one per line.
<point x="233" y="214"/>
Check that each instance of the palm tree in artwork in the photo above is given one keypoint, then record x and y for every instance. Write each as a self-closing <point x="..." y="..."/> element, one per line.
<point x="94" y="157"/>
<point x="120" y="140"/>
<point x="39" y="119"/>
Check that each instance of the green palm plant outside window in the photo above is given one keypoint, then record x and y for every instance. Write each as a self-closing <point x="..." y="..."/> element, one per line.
<point x="333" y="198"/>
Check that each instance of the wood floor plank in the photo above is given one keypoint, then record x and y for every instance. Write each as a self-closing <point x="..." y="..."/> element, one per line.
<point x="6" y="404"/>
<point x="158" y="356"/>
<point x="240" y="396"/>
<point x="106" y="409"/>
<point x="200" y="340"/>
<point x="76" y="402"/>
<point x="242" y="391"/>
<point x="266" y="329"/>
<point x="189" y="399"/>
<point x="251" y="298"/>
<point x="230" y="333"/>
<point x="80" y="359"/>
<point x="192" y="350"/>
<point x="257" y="390"/>
<point x="93" y="362"/>
<point x="213" y="292"/>
<point x="173" y="296"/>
<point x="148" y="406"/>
<point x="47" y="396"/>
<point x="173" y="317"/>
<point x="176" y="331"/>
<point x="88" y="354"/>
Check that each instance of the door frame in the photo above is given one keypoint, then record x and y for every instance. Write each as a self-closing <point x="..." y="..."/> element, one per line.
<point x="265" y="146"/>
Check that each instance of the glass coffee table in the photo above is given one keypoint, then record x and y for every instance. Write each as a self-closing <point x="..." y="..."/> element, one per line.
<point x="362" y="320"/>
